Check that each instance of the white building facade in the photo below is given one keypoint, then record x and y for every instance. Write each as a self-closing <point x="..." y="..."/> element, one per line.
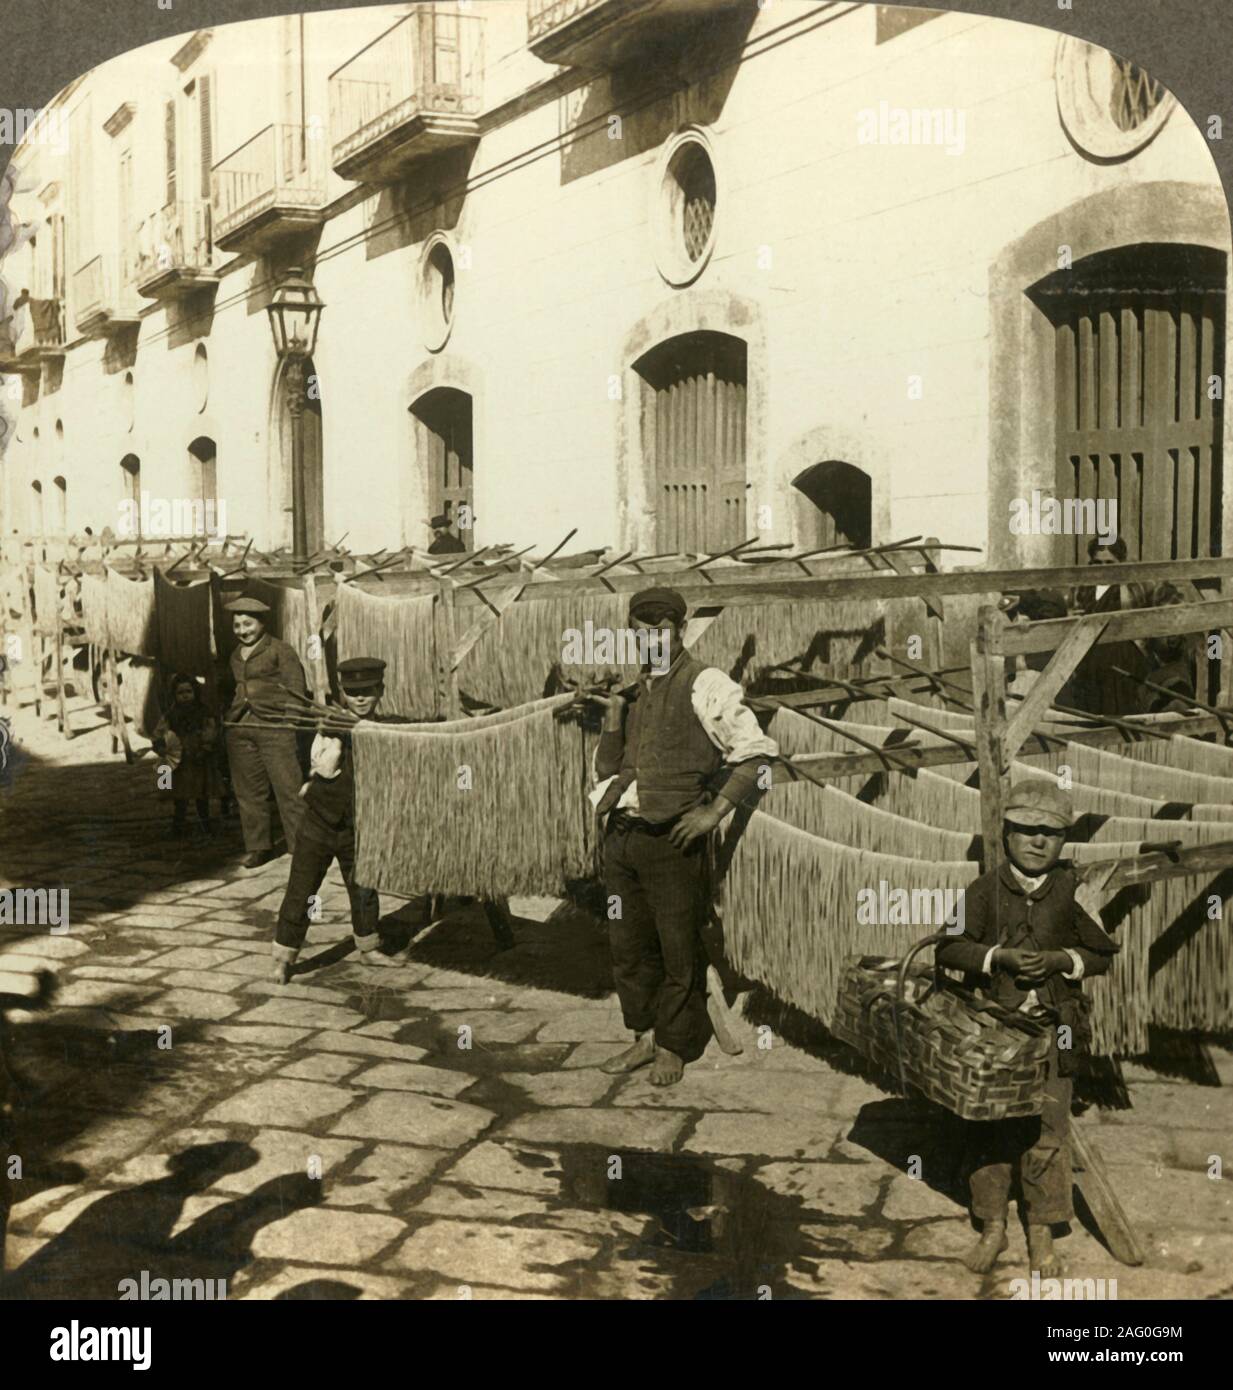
<point x="671" y="273"/>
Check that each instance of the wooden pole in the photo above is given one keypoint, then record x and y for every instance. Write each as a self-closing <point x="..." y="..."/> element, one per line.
<point x="316" y="643"/>
<point x="61" y="710"/>
<point x="989" y="693"/>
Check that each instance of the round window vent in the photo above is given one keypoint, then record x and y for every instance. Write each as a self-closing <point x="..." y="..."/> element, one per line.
<point x="1110" y="106"/>
<point x="436" y="291"/>
<point x="688" y="201"/>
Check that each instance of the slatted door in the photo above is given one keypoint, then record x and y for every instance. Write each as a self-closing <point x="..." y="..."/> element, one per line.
<point x="1135" y="421"/>
<point x="695" y="409"/>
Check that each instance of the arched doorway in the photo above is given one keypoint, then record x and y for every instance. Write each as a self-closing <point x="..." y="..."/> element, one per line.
<point x="444" y="451"/>
<point x="306" y="400"/>
<point x="834" y="505"/>
<point x="130" y="495"/>
<point x="694" y="445"/>
<point x="1139" y="335"/>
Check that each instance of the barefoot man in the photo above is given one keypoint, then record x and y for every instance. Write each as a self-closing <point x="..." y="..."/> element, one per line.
<point x="1030" y="937"/>
<point x="665" y="790"/>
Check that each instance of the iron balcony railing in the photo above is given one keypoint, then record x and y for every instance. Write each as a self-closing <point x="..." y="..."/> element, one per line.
<point x="282" y="166"/>
<point x="543" y="16"/>
<point x="104" y="289"/>
<point x="177" y="237"/>
<point x="40" y="329"/>
<point x="429" y="63"/>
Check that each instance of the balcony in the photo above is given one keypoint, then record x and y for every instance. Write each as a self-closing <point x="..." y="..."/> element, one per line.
<point x="411" y="92"/>
<point x="271" y="187"/>
<point x="174" y="256"/>
<point x="603" y="34"/>
<point x="104" y="297"/>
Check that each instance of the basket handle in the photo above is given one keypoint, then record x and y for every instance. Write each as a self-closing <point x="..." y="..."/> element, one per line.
<point x="897" y="1004"/>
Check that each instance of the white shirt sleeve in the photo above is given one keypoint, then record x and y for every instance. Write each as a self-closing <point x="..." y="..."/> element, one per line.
<point x="729" y="723"/>
<point x="1076" y="971"/>
<point x="326" y="757"/>
<point x="986" y="967"/>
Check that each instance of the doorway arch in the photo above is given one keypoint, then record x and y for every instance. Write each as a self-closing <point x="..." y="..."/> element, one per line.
<point x="834" y="502"/>
<point x="443" y="419"/>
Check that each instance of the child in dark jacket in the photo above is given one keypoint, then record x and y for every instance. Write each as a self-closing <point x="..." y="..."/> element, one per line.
<point x="186" y="740"/>
<point x="1030" y="938"/>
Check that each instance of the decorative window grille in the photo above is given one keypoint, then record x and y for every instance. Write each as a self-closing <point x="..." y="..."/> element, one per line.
<point x="1135" y="94"/>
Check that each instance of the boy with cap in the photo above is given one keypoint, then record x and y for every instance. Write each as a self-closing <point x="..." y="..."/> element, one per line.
<point x="328" y="829"/>
<point x="1030" y="936"/>
<point x="663" y="792"/>
<point x="262" y="666"/>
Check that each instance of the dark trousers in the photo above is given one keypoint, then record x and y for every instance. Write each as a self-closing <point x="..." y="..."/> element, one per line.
<point x="310" y="862"/>
<point x="658" y="961"/>
<point x="1038" y="1147"/>
<point x="259" y="759"/>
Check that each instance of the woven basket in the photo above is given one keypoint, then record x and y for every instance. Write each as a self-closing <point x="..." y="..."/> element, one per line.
<point x="969" y="1055"/>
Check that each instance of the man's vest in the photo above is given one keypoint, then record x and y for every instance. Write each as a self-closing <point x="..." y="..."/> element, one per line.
<point x="666" y="747"/>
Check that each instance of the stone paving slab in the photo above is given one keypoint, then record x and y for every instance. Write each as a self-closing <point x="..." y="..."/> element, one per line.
<point x="411" y="1076"/>
<point x="509" y="1256"/>
<point x="788" y="1138"/>
<point x="412" y="1119"/>
<point x="281" y="1102"/>
<point x="651" y="1130"/>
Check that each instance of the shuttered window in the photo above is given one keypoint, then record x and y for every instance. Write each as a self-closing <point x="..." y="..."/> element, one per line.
<point x="81" y="193"/>
<point x="444" y="450"/>
<point x="205" y="102"/>
<point x="169" y="149"/>
<point x="694" y="440"/>
<point x="1140" y="336"/>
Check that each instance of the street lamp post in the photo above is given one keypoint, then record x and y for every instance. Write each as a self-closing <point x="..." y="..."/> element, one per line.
<point x="295" y="314"/>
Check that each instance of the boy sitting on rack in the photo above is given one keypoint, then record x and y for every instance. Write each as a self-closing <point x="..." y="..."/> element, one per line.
<point x="1030" y="937"/>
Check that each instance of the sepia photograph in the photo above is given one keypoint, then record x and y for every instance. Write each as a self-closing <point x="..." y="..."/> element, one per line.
<point x="613" y="668"/>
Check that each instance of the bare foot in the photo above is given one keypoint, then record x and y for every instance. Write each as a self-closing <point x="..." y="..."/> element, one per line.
<point x="667" y="1069"/>
<point x="984" y="1254"/>
<point x="1042" y="1258"/>
<point x="379" y="960"/>
<point x="633" y="1057"/>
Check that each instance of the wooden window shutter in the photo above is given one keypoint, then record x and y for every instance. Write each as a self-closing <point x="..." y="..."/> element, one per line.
<point x="205" y="110"/>
<point x="169" y="144"/>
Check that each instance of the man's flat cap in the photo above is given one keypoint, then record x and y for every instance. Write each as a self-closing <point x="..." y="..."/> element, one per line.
<point x="361" y="673"/>
<point x="248" y="605"/>
<point x="656" y="604"/>
<point x="1036" y="801"/>
<point x="439" y="521"/>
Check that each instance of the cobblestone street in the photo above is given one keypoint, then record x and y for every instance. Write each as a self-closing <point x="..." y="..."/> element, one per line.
<point x="338" y="1138"/>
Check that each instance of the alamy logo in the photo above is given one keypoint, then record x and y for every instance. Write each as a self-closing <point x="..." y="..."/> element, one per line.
<point x="1054" y="1290"/>
<point x="35" y="907"/>
<point x="155" y="1290"/>
<point x="77" y="1343"/>
<point x="1069" y="516"/>
<point x="622" y="646"/>
<point x="917" y="125"/>
<point x="910" y="907"/>
<point x="173" y="516"/>
<point x="34" y="125"/>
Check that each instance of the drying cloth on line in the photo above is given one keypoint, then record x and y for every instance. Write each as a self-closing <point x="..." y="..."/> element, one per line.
<point x="139" y="693"/>
<point x="513" y="663"/>
<point x="399" y="631"/>
<point x="185" y="629"/>
<point x="789" y="905"/>
<point x="132" y="626"/>
<point x="47" y="588"/>
<point x="490" y="811"/>
<point x="834" y="815"/>
<point x="94" y="608"/>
